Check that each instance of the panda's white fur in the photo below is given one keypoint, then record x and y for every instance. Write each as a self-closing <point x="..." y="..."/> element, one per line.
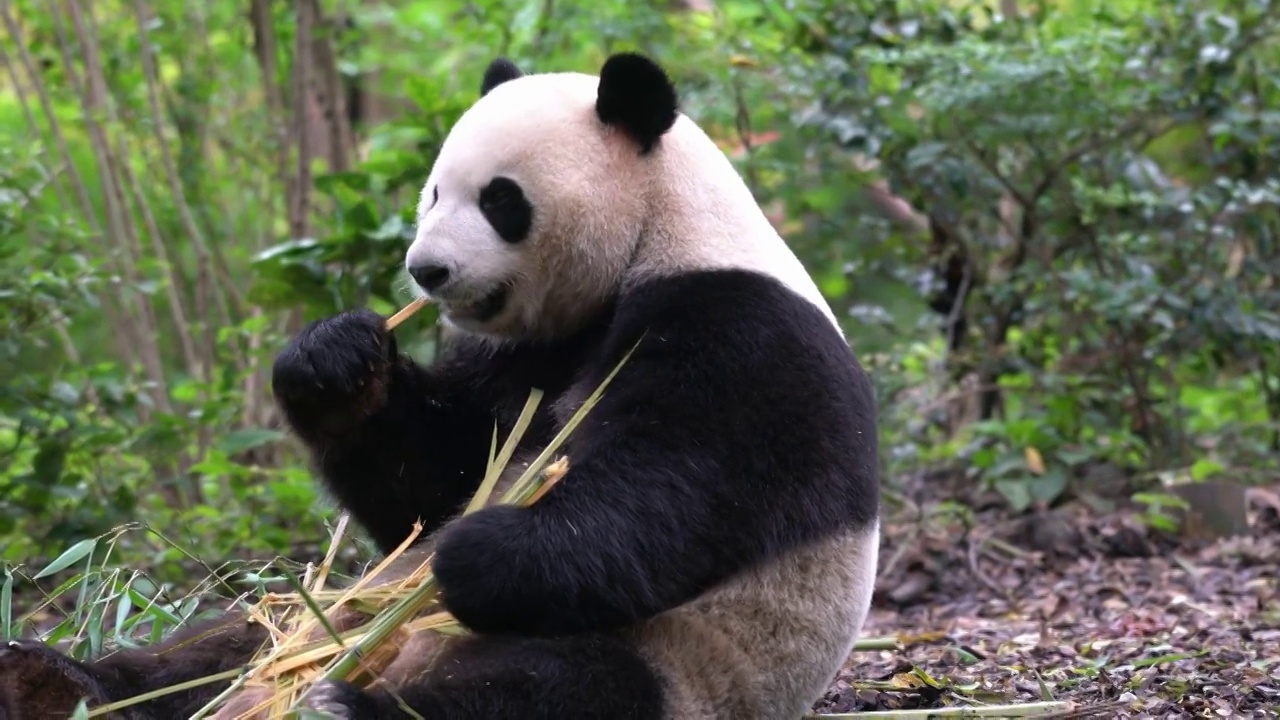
<point x="769" y="643"/>
<point x="607" y="218"/>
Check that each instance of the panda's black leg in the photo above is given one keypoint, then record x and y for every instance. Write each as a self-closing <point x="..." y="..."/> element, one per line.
<point x="38" y="681"/>
<point x="529" y="678"/>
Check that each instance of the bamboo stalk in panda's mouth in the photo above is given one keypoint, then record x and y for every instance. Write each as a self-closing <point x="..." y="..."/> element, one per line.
<point x="403" y="313"/>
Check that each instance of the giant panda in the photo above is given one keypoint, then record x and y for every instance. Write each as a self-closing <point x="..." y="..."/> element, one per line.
<point x="711" y="550"/>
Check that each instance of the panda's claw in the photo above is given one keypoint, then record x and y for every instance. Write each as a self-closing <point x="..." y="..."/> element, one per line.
<point x="340" y="700"/>
<point x="324" y="698"/>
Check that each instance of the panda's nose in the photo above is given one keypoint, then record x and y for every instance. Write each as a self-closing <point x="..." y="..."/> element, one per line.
<point x="429" y="276"/>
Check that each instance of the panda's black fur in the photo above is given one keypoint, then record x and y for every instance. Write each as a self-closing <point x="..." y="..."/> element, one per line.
<point x="655" y="519"/>
<point x="739" y="431"/>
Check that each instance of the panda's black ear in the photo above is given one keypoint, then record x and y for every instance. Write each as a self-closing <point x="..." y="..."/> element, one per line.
<point x="637" y="96"/>
<point x="498" y="72"/>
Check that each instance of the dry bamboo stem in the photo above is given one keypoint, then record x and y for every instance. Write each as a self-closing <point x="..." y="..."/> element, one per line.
<point x="293" y="661"/>
<point x="406" y="311"/>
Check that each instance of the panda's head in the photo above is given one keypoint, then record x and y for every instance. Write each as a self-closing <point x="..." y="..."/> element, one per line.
<point x="540" y="195"/>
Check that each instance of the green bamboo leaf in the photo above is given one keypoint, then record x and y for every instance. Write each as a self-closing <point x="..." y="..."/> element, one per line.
<point x="521" y="486"/>
<point x="6" y="606"/>
<point x="72" y="555"/>
<point x="313" y="606"/>
<point x="499" y="464"/>
<point x="122" y="612"/>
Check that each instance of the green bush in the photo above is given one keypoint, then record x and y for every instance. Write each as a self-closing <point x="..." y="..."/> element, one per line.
<point x="1052" y="237"/>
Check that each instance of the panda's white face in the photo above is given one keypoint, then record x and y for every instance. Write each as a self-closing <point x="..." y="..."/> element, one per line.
<point x="531" y="212"/>
<point x="555" y="189"/>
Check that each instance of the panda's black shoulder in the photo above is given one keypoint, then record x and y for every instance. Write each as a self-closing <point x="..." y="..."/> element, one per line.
<point x="754" y="375"/>
<point x="729" y="321"/>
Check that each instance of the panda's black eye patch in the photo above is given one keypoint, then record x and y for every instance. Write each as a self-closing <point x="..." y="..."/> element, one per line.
<point x="504" y="205"/>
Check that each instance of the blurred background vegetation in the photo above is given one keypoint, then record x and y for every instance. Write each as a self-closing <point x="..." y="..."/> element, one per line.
<point x="1051" y="228"/>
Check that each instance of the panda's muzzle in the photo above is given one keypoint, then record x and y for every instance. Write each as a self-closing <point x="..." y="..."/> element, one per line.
<point x="492" y="304"/>
<point x="483" y="309"/>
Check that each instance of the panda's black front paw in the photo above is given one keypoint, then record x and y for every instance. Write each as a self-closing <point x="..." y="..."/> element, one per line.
<point x="342" y="700"/>
<point x="334" y="373"/>
<point x="494" y="576"/>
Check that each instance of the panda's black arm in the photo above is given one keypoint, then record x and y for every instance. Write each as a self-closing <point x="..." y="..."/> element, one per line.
<point x="393" y="441"/>
<point x="418" y="458"/>
<point x="735" y="431"/>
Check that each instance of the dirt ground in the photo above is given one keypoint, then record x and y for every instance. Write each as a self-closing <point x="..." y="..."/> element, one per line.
<point x="1073" y="605"/>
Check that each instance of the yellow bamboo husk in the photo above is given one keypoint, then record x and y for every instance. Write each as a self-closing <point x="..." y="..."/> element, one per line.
<point x="302" y="650"/>
<point x="303" y="646"/>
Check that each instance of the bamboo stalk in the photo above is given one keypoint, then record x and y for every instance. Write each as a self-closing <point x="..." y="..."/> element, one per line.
<point x="116" y="310"/>
<point x="121" y="704"/>
<point x="1025" y="710"/>
<point x="46" y="106"/>
<point x="224" y="286"/>
<point x="135" y="321"/>
<point x="43" y="150"/>
<point x="887" y="642"/>
<point x="406" y="312"/>
<point x="295" y="660"/>
<point x="300" y="218"/>
<point x="177" y="304"/>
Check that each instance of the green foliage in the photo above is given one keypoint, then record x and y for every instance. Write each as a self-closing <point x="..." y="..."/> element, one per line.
<point x="113" y="607"/>
<point x="1154" y="505"/>
<point x="1102" y="181"/>
<point x="1095" y="179"/>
